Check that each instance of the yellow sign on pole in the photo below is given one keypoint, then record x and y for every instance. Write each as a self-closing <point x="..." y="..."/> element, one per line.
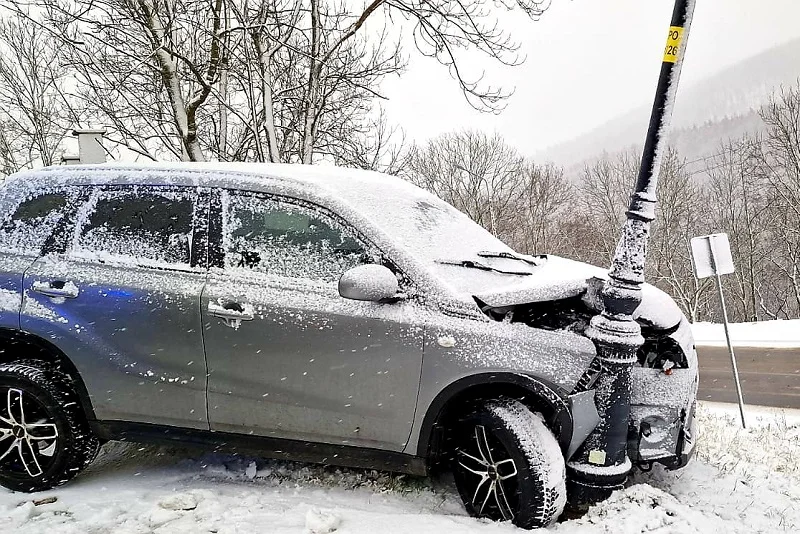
<point x="673" y="49"/>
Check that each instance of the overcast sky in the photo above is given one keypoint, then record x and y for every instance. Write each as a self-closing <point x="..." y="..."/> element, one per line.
<point x="587" y="62"/>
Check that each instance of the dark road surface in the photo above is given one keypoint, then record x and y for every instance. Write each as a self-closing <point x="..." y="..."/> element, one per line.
<point x="770" y="377"/>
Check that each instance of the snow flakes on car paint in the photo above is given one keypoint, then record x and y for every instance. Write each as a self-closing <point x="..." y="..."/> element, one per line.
<point x="10" y="301"/>
<point x="34" y="308"/>
<point x="447" y="341"/>
<point x="485" y="345"/>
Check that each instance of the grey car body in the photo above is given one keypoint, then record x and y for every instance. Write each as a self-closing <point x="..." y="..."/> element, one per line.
<point x="204" y="348"/>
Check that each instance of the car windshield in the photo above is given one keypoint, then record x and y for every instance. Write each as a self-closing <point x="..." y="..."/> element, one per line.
<point x="444" y="240"/>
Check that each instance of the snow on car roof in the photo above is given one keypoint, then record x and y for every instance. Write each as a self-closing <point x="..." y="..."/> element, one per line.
<point x="237" y="175"/>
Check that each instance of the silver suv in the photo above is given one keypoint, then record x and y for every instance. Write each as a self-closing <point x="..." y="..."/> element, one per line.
<point x="309" y="313"/>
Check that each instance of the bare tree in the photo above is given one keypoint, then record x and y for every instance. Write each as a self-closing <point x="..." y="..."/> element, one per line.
<point x="285" y="103"/>
<point x="33" y="111"/>
<point x="279" y="80"/>
<point x="603" y="192"/>
<point x="736" y="205"/>
<point x="545" y="197"/>
<point x="604" y="189"/>
<point x="517" y="200"/>
<point x="478" y="174"/>
<point x="680" y="215"/>
<point x="148" y="66"/>
<point x="378" y="147"/>
<point x="780" y="157"/>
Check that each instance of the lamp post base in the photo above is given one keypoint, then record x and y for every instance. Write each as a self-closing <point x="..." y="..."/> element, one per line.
<point x="589" y="484"/>
<point x="601" y="465"/>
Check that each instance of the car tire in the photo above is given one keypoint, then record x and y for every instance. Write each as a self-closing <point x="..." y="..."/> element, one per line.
<point x="45" y="439"/>
<point x="508" y="466"/>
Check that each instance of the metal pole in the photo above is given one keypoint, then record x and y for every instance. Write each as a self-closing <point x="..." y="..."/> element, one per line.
<point x="602" y="465"/>
<point x="727" y="333"/>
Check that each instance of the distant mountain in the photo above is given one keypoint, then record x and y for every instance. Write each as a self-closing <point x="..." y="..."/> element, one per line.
<point x="719" y="107"/>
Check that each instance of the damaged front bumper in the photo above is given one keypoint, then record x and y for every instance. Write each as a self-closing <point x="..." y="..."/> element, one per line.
<point x="662" y="426"/>
<point x="657" y="433"/>
<point x="670" y="441"/>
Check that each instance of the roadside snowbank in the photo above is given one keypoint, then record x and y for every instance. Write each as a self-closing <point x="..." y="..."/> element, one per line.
<point x="757" y="416"/>
<point x="742" y="482"/>
<point x="761" y="334"/>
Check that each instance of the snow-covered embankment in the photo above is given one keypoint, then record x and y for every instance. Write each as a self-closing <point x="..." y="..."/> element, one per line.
<point x="743" y="481"/>
<point x="779" y="334"/>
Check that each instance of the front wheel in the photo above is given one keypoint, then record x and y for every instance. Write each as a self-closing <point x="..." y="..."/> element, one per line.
<point x="44" y="437"/>
<point x="508" y="466"/>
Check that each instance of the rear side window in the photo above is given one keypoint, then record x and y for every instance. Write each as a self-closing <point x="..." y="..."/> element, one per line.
<point x="287" y="240"/>
<point x="145" y="226"/>
<point x="25" y="230"/>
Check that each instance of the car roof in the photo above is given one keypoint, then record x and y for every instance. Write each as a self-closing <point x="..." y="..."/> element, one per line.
<point x="249" y="176"/>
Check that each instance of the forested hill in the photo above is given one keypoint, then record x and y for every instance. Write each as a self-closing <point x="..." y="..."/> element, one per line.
<point x="720" y="107"/>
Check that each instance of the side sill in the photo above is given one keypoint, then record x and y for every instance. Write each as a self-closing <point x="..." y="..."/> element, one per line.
<point x="281" y="449"/>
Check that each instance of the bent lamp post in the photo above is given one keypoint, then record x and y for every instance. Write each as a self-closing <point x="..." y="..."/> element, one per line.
<point x="602" y="465"/>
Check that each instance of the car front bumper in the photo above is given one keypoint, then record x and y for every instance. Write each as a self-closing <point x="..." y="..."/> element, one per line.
<point x="662" y="425"/>
<point x="656" y="440"/>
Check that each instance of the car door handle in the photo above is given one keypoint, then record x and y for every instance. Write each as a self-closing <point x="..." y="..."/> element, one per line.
<point x="56" y="288"/>
<point x="234" y="311"/>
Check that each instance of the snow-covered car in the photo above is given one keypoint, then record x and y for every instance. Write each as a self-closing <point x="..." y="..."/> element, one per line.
<point x="311" y="313"/>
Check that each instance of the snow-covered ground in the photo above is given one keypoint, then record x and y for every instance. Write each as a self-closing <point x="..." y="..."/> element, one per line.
<point x="761" y="334"/>
<point x="741" y="482"/>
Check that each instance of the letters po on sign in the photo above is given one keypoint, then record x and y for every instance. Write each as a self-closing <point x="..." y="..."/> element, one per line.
<point x="711" y="255"/>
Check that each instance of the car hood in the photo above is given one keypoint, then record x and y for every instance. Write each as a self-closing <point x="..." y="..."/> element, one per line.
<point x="560" y="278"/>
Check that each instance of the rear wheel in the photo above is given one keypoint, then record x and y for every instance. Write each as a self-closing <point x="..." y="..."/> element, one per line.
<point x="508" y="466"/>
<point x="44" y="438"/>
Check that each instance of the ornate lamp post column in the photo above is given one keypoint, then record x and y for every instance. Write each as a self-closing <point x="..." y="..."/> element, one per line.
<point x="602" y="465"/>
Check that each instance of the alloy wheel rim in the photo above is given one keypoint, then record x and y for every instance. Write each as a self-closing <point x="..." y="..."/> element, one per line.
<point x="28" y="436"/>
<point x="493" y="479"/>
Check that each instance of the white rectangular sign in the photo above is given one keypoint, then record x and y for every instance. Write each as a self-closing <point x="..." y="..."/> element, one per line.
<point x="711" y="255"/>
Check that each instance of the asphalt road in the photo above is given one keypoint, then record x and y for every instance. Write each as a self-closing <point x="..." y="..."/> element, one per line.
<point x="770" y="377"/>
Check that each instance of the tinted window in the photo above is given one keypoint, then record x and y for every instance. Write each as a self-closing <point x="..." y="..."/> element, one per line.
<point x="26" y="230"/>
<point x="283" y="239"/>
<point x="148" y="227"/>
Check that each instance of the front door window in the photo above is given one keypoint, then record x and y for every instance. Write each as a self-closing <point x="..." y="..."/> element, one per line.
<point x="287" y="240"/>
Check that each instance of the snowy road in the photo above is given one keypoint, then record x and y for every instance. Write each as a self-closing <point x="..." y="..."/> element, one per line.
<point x="743" y="482"/>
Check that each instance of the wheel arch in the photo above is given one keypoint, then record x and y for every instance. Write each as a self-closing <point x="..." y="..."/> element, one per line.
<point x="539" y="394"/>
<point x="13" y="341"/>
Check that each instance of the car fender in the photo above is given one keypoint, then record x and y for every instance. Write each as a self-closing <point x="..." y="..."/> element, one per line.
<point x="539" y="393"/>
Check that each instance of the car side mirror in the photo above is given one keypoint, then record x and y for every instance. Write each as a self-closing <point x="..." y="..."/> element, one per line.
<point x="372" y="283"/>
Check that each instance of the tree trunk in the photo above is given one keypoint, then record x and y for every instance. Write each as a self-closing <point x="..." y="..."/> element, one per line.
<point x="222" y="150"/>
<point x="186" y="125"/>
<point x="267" y="105"/>
<point x="314" y="73"/>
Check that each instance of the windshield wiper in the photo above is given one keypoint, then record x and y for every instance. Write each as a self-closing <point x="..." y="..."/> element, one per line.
<point x="483" y="267"/>
<point x="509" y="256"/>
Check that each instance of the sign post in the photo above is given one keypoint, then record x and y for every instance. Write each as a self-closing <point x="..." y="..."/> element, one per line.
<point x="711" y="256"/>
